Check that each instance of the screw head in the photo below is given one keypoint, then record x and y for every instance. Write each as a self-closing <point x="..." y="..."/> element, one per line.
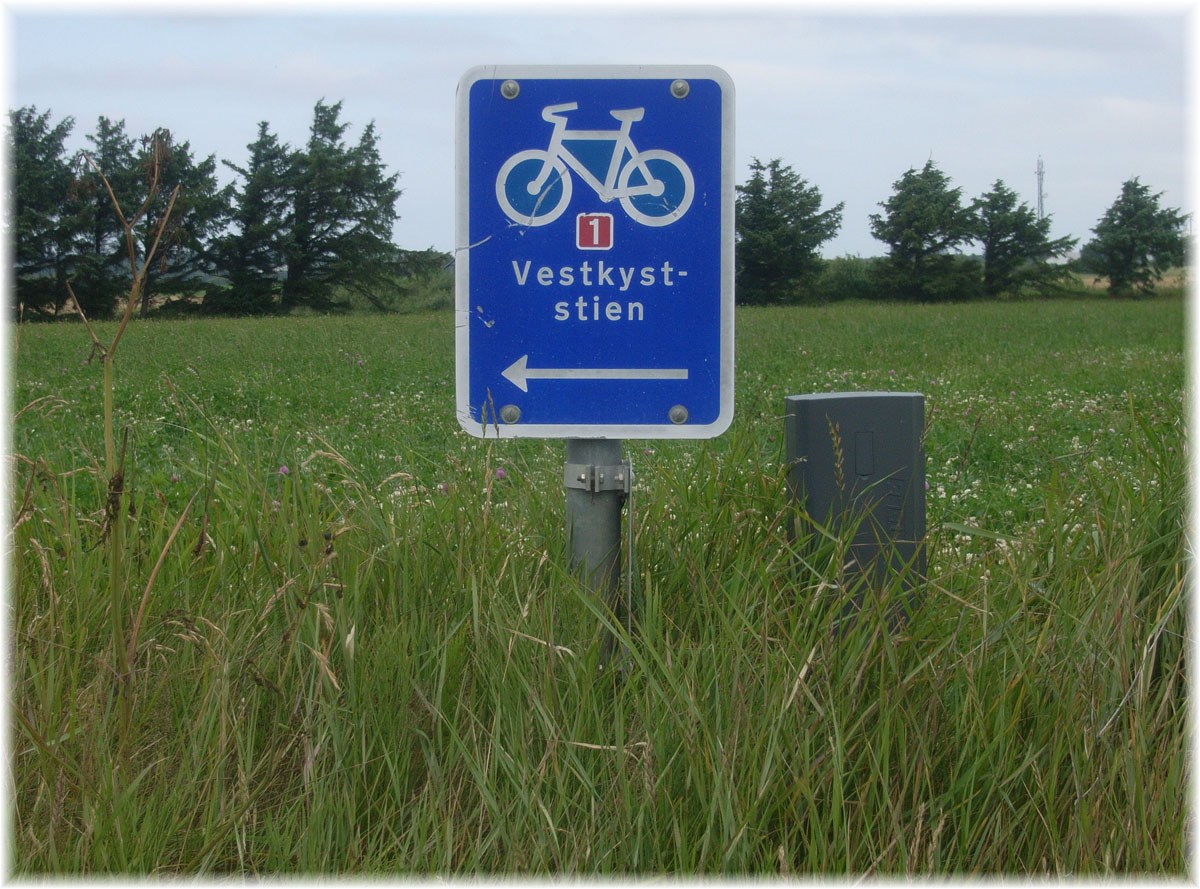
<point x="680" y="89"/>
<point x="678" y="414"/>
<point x="510" y="89"/>
<point x="510" y="413"/>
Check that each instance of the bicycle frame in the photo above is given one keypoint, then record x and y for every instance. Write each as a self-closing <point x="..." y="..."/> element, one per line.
<point x="622" y="143"/>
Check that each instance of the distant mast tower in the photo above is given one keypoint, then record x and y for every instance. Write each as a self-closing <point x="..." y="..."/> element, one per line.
<point x="1041" y="175"/>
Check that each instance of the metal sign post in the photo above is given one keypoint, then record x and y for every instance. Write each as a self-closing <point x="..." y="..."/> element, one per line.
<point x="594" y="269"/>
<point x="597" y="482"/>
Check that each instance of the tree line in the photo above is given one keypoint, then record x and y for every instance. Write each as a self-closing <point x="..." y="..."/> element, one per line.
<point x="927" y="227"/>
<point x="311" y="227"/>
<point x="298" y="227"/>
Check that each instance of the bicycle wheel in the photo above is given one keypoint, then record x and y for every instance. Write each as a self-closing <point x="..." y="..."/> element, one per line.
<point x="667" y="183"/>
<point x="516" y="178"/>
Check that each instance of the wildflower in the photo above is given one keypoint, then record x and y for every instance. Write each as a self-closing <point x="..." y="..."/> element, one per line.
<point x="283" y="470"/>
<point x="501" y="474"/>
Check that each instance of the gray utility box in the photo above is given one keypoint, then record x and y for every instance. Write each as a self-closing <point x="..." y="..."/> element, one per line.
<point x="856" y="461"/>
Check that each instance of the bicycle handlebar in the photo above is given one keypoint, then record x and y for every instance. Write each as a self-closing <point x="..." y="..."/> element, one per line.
<point x="551" y="111"/>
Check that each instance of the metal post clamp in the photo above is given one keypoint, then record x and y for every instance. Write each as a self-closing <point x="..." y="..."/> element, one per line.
<point x="597" y="479"/>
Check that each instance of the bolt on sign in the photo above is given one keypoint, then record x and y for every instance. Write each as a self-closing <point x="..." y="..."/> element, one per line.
<point x="594" y="260"/>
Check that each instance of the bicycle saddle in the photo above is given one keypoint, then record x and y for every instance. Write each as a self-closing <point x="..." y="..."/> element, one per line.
<point x="630" y="114"/>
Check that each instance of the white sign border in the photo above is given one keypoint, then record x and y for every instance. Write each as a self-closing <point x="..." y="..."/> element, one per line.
<point x="462" y="252"/>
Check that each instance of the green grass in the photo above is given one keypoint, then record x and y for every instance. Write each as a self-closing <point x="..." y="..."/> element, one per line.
<point x="375" y="662"/>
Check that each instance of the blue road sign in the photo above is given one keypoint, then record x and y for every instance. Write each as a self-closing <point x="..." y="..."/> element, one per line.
<point x="594" y="260"/>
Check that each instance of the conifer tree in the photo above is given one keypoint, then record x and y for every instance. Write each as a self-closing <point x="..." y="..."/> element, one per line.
<point x="1017" y="248"/>
<point x="780" y="229"/>
<point x="101" y="253"/>
<point x="1136" y="241"/>
<point x="253" y="254"/>
<point x="342" y="213"/>
<point x="924" y="225"/>
<point x="187" y="256"/>
<point x="42" y="231"/>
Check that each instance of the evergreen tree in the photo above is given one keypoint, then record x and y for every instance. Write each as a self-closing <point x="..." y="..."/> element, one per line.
<point x="37" y="191"/>
<point x="780" y="229"/>
<point x="187" y="254"/>
<point x="1136" y="241"/>
<point x="343" y="210"/>
<point x="924" y="224"/>
<point x="100" y="270"/>
<point x="319" y="219"/>
<point x="1017" y="247"/>
<point x="253" y="253"/>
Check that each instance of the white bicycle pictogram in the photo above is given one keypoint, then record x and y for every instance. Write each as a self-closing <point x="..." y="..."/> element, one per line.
<point x="654" y="187"/>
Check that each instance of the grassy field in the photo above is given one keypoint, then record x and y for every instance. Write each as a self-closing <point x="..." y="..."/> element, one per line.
<point x="354" y="647"/>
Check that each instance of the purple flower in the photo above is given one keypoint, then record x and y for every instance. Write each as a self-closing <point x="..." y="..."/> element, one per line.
<point x="283" y="470"/>
<point x="501" y="474"/>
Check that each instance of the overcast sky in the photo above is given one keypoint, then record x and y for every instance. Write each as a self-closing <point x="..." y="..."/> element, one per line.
<point x="850" y="101"/>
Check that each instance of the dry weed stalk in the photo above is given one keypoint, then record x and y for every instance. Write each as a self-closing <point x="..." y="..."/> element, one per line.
<point x="158" y="149"/>
<point x="115" y="501"/>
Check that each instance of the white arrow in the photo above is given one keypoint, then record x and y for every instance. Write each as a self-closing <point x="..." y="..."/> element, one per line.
<point x="518" y="373"/>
